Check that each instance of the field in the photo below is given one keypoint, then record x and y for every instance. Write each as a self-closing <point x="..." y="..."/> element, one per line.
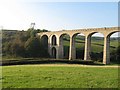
<point x="95" y="44"/>
<point x="59" y="76"/>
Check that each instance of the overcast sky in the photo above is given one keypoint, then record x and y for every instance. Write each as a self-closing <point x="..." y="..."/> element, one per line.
<point x="54" y="16"/>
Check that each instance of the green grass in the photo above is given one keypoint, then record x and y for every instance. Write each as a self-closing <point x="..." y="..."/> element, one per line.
<point x="36" y="76"/>
<point x="95" y="44"/>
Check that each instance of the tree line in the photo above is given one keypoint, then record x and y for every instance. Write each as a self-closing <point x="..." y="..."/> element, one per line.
<point x="23" y="44"/>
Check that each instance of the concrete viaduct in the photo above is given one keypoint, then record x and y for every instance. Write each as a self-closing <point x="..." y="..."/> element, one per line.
<point x="55" y="42"/>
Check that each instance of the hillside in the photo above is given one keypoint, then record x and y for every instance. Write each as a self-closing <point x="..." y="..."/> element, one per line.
<point x="97" y="44"/>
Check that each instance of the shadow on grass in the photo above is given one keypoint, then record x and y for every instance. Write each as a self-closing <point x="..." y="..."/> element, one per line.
<point x="49" y="61"/>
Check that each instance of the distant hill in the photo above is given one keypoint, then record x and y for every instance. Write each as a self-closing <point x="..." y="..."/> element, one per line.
<point x="92" y="38"/>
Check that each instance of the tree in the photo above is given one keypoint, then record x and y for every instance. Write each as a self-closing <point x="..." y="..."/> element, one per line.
<point x="115" y="55"/>
<point x="33" y="33"/>
<point x="34" y="48"/>
<point x="44" y="30"/>
<point x="30" y="46"/>
<point x="17" y="48"/>
<point x="6" y="48"/>
<point x="118" y="52"/>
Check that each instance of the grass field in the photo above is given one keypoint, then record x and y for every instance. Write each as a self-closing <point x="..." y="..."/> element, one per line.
<point x="55" y="76"/>
<point x="95" y="44"/>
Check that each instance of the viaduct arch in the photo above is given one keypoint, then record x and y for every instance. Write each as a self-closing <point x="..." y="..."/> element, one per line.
<point x="55" y="42"/>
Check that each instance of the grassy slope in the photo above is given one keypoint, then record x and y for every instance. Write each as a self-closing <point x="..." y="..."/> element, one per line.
<point x="34" y="76"/>
<point x="97" y="45"/>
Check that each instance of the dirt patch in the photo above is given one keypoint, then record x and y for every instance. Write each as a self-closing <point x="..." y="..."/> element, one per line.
<point x="72" y="65"/>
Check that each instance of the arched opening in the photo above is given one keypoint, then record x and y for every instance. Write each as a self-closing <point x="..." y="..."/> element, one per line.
<point x="54" y="40"/>
<point x="53" y="52"/>
<point x="97" y="45"/>
<point x="44" y="41"/>
<point x="114" y="47"/>
<point x="79" y="45"/>
<point x="65" y="44"/>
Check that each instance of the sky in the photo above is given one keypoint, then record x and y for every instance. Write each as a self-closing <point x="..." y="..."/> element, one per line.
<point x="54" y="15"/>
